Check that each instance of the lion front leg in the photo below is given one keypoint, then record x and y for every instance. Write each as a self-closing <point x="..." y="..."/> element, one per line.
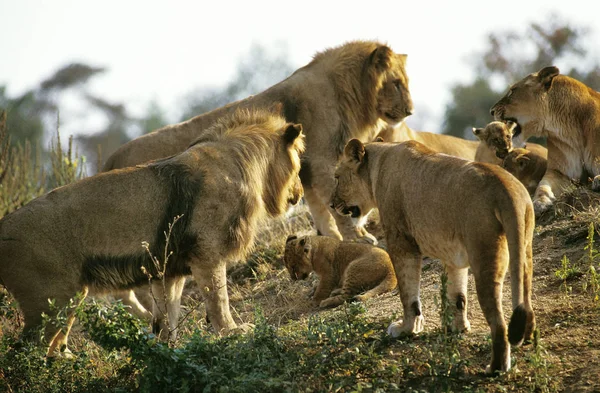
<point x="166" y="306"/>
<point x="552" y="185"/>
<point x="321" y="214"/>
<point x="408" y="272"/>
<point x="212" y="281"/>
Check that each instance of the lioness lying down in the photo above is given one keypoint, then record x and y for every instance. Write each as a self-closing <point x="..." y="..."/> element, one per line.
<point x="88" y="235"/>
<point x="467" y="214"/>
<point x="345" y="269"/>
<point x="565" y="111"/>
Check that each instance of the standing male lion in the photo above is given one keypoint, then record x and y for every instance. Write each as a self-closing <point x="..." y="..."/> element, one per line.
<point x="565" y="111"/>
<point x="467" y="214"/>
<point x="343" y="93"/>
<point x="88" y="235"/>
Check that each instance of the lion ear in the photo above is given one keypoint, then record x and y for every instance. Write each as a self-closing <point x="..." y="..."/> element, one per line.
<point x="290" y="238"/>
<point x="379" y="139"/>
<point x="381" y="58"/>
<point x="523" y="160"/>
<point x="291" y="133"/>
<point x="477" y="131"/>
<point x="546" y="75"/>
<point x="302" y="241"/>
<point x="355" y="151"/>
<point x="511" y="126"/>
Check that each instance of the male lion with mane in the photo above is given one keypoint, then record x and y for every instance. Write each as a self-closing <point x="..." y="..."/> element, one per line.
<point x="467" y="214"/>
<point x="345" y="92"/>
<point x="88" y="235"/>
<point x="565" y="111"/>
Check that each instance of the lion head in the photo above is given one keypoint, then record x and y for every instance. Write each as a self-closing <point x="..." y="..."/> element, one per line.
<point x="526" y="166"/>
<point x="526" y="102"/>
<point x="394" y="102"/>
<point x="297" y="257"/>
<point x="352" y="195"/>
<point x="497" y="135"/>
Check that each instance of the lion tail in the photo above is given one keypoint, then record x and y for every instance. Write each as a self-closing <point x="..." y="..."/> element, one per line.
<point x="518" y="223"/>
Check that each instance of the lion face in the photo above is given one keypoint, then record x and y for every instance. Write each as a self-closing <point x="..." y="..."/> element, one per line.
<point x="352" y="195"/>
<point x="297" y="258"/>
<point x="519" y="163"/>
<point x="498" y="136"/>
<point x="526" y="102"/>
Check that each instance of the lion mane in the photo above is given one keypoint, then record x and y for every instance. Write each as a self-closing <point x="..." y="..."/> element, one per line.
<point x="467" y="214"/>
<point x="87" y="236"/>
<point x="345" y="269"/>
<point x="345" y="92"/>
<point x="567" y="113"/>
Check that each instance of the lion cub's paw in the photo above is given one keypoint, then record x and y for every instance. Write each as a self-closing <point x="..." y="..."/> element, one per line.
<point x="541" y="205"/>
<point x="596" y="184"/>
<point x="399" y="328"/>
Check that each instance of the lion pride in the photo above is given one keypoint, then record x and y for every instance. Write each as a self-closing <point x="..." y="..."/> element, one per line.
<point x="88" y="235"/>
<point x="467" y="214"/>
<point x="345" y="92"/>
<point x="565" y="111"/>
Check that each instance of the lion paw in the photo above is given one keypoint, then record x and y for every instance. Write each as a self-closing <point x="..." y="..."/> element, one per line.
<point x="541" y="205"/>
<point x="596" y="183"/>
<point x="463" y="326"/>
<point x="400" y="328"/>
<point x="367" y="238"/>
<point x="240" y="329"/>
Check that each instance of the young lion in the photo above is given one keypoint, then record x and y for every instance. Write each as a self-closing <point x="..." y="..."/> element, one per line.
<point x="88" y="235"/>
<point x="496" y="141"/>
<point x="344" y="268"/>
<point x="567" y="112"/>
<point x="345" y="92"/>
<point x="527" y="166"/>
<point x="467" y="214"/>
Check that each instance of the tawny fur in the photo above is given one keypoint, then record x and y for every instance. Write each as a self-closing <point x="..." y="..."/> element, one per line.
<point x="527" y="166"/>
<point x="346" y="270"/>
<point x="440" y="143"/>
<point x="345" y="92"/>
<point x="88" y="235"/>
<point x="567" y="113"/>
<point x="467" y="214"/>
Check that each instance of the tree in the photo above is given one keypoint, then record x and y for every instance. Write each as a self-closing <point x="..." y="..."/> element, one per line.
<point x="256" y="72"/>
<point x="509" y="57"/>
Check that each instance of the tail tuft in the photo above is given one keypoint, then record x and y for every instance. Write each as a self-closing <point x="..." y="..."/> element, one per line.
<point x="517" y="325"/>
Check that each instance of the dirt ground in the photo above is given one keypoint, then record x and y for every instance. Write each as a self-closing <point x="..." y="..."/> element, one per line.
<point x="567" y="316"/>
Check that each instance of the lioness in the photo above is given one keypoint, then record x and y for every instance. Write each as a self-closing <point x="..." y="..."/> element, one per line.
<point x="345" y="269"/>
<point x="527" y="166"/>
<point x="565" y="111"/>
<point x="345" y="92"/>
<point x="440" y="143"/>
<point x="88" y="235"/>
<point x="467" y="214"/>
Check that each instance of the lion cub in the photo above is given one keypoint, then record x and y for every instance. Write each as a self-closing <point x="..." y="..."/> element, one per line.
<point x="495" y="141"/>
<point x="527" y="166"/>
<point x="344" y="268"/>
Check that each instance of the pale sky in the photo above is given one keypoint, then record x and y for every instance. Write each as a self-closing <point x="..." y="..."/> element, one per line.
<point x="161" y="50"/>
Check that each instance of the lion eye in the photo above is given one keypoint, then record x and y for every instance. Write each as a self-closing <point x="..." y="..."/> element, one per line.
<point x="397" y="84"/>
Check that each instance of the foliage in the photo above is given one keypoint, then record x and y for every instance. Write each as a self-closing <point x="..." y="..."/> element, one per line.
<point x="509" y="56"/>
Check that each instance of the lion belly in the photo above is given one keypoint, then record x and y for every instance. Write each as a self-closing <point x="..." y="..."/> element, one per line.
<point x="451" y="252"/>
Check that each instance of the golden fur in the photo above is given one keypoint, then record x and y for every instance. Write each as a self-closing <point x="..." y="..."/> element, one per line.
<point x="345" y="269"/>
<point x="88" y="235"/>
<point x="565" y="111"/>
<point x="527" y="166"/>
<point x="495" y="141"/>
<point x="467" y="214"/>
<point x="345" y="92"/>
<point x="440" y="143"/>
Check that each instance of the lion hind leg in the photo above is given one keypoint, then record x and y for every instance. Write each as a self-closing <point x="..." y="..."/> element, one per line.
<point x="130" y="299"/>
<point x="457" y="297"/>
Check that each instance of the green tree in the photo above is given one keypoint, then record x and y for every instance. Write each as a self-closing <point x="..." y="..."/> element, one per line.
<point x="509" y="57"/>
<point x="257" y="71"/>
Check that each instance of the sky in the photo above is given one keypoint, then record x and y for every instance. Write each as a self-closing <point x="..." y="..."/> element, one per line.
<point x="161" y="50"/>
